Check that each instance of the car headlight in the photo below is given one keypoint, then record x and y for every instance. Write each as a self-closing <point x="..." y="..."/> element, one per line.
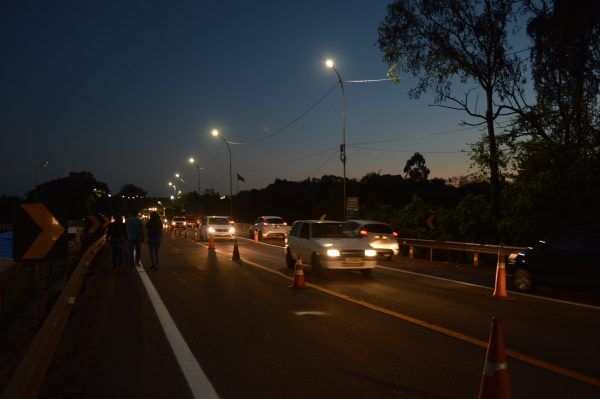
<point x="172" y="223"/>
<point x="211" y="229"/>
<point x="185" y="223"/>
<point x="370" y="252"/>
<point x="231" y="230"/>
<point x="333" y="252"/>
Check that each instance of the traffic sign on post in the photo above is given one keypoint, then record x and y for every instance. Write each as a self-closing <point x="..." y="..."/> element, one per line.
<point x="351" y="207"/>
<point x="40" y="232"/>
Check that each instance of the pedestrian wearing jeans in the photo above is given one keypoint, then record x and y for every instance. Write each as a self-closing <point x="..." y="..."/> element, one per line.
<point x="116" y="235"/>
<point x="154" y="233"/>
<point x="135" y="236"/>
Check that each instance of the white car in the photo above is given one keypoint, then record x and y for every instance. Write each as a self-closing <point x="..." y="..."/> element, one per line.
<point x="379" y="235"/>
<point x="216" y="227"/>
<point x="324" y="245"/>
<point x="268" y="227"/>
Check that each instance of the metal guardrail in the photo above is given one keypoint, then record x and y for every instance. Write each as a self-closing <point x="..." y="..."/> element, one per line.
<point x="28" y="377"/>
<point x="473" y="248"/>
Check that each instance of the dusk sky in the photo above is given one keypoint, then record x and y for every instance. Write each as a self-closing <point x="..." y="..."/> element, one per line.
<point x="130" y="90"/>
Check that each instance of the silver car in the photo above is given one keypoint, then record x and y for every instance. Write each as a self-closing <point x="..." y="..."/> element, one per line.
<point x="324" y="245"/>
<point x="379" y="235"/>
<point x="216" y="227"/>
<point x="269" y="227"/>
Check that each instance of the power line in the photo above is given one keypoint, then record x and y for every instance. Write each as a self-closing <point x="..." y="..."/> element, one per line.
<point x="281" y="130"/>
<point x="324" y="163"/>
<point x="407" y="151"/>
<point x="415" y="137"/>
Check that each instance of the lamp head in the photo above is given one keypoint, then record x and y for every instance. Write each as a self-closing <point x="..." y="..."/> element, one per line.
<point x="215" y="133"/>
<point x="329" y="63"/>
<point x="192" y="160"/>
<point x="170" y="184"/>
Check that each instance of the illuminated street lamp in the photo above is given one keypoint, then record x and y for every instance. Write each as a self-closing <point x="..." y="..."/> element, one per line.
<point x="192" y="160"/>
<point x="37" y="168"/>
<point x="329" y="63"/>
<point x="178" y="177"/>
<point x="215" y="133"/>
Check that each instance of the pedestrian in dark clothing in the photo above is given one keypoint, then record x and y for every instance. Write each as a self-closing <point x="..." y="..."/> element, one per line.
<point x="116" y="235"/>
<point x="135" y="236"/>
<point x="154" y="229"/>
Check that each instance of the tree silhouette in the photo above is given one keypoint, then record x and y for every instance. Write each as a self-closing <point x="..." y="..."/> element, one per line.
<point x="445" y="41"/>
<point x="415" y="168"/>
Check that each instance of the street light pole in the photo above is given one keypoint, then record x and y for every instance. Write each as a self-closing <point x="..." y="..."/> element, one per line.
<point x="198" y="168"/>
<point x="215" y="133"/>
<point x="37" y="168"/>
<point x="330" y="64"/>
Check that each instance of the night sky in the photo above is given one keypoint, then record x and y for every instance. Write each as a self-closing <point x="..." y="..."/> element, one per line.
<point x="129" y="90"/>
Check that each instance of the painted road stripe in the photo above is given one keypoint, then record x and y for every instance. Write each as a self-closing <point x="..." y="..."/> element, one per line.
<point x="262" y="243"/>
<point x="433" y="327"/>
<point x="194" y="375"/>
<point x="545" y="298"/>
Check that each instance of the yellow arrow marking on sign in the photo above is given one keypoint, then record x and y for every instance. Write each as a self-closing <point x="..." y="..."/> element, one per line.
<point x="95" y="223"/>
<point x="51" y="231"/>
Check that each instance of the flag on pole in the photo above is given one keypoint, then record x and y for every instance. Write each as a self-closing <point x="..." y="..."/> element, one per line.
<point x="240" y="178"/>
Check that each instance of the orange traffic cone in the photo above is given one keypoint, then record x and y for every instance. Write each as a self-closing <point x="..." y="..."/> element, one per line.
<point x="235" y="256"/>
<point x="211" y="243"/>
<point x="495" y="382"/>
<point x="298" y="281"/>
<point x="255" y="236"/>
<point x="500" y="284"/>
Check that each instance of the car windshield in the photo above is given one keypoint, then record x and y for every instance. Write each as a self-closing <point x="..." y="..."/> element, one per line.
<point x="178" y="218"/>
<point x="328" y="230"/>
<point x="274" y="221"/>
<point x="218" y="221"/>
<point x="378" y="228"/>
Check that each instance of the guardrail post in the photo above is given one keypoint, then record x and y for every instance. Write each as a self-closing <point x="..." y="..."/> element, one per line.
<point x="475" y="259"/>
<point x="431" y="254"/>
<point x="411" y="252"/>
<point x="2" y="296"/>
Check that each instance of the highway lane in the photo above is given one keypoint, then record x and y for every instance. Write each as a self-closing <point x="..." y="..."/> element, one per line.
<point x="244" y="328"/>
<point x="555" y="332"/>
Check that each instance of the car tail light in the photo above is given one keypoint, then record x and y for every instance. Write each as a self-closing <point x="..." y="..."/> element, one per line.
<point x="363" y="232"/>
<point x="395" y="234"/>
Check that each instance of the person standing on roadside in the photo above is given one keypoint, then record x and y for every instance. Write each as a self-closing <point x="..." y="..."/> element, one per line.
<point x="116" y="234"/>
<point x="154" y="229"/>
<point x="135" y="236"/>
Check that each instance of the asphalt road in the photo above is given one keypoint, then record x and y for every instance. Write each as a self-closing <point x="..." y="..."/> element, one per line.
<point x="391" y="334"/>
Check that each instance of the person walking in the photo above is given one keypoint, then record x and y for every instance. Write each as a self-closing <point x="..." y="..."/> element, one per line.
<point x="116" y="234"/>
<point x="154" y="229"/>
<point x="135" y="236"/>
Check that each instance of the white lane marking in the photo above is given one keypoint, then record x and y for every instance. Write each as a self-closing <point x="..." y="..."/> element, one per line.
<point x="262" y="243"/>
<point x="194" y="375"/>
<point x="545" y="298"/>
<point x="310" y="313"/>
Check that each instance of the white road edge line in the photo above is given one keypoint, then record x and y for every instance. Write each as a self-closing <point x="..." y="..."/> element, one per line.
<point x="583" y="305"/>
<point x="194" y="375"/>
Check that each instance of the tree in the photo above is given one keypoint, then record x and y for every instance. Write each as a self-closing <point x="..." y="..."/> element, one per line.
<point x="440" y="42"/>
<point x="80" y="190"/>
<point x="415" y="168"/>
<point x="565" y="61"/>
